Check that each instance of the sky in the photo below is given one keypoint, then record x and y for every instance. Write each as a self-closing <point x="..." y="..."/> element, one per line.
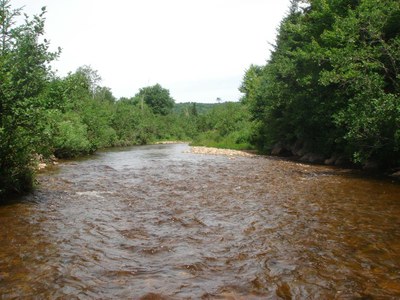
<point x="197" y="49"/>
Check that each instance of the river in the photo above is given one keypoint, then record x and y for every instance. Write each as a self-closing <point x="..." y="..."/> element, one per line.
<point x="157" y="222"/>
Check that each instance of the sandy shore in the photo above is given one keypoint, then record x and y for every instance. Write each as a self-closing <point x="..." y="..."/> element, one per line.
<point x="216" y="151"/>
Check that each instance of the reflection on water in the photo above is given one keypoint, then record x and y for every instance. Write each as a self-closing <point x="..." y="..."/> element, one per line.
<point x="156" y="222"/>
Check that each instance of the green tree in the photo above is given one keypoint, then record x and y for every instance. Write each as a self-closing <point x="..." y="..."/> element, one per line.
<point x="226" y="125"/>
<point x="157" y="98"/>
<point x="24" y="72"/>
<point x="332" y="81"/>
<point x="103" y="93"/>
<point x="125" y="122"/>
<point x="363" y="48"/>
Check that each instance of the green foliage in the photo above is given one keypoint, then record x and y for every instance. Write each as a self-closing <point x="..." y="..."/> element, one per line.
<point x="70" y="136"/>
<point x="125" y="121"/>
<point x="192" y="108"/>
<point x="332" y="81"/>
<point x="79" y="104"/>
<point x="75" y="115"/>
<point x="97" y="116"/>
<point x="157" y="98"/>
<point x="227" y="125"/>
<point x="366" y="69"/>
<point x="24" y="73"/>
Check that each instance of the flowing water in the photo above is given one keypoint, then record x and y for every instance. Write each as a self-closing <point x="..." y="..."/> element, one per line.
<point x="156" y="222"/>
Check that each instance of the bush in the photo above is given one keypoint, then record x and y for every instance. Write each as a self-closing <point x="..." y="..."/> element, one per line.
<point x="71" y="137"/>
<point x="227" y="125"/>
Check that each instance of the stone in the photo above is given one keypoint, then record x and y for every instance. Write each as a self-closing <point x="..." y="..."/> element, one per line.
<point x="279" y="150"/>
<point x="41" y="166"/>
<point x="297" y="148"/>
<point x="341" y="161"/>
<point x="396" y="174"/>
<point x="316" y="158"/>
<point x="371" y="165"/>
<point x="313" y="158"/>
<point x="331" y="160"/>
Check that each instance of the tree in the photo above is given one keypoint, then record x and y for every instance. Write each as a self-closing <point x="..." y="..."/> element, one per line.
<point x="363" y="48"/>
<point x="91" y="78"/>
<point x="225" y="125"/>
<point x="88" y="110"/>
<point x="332" y="81"/>
<point x="104" y="94"/>
<point x="24" y="72"/>
<point x="7" y="22"/>
<point x="157" y="98"/>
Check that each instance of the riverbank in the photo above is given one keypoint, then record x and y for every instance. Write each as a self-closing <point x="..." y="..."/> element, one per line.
<point x="203" y="150"/>
<point x="395" y="173"/>
<point x="218" y="151"/>
<point x="211" y="150"/>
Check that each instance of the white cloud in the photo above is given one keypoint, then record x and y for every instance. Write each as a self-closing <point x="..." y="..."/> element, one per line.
<point x="198" y="49"/>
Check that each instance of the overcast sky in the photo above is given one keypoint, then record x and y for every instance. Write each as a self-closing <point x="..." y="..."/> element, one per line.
<point x="198" y="49"/>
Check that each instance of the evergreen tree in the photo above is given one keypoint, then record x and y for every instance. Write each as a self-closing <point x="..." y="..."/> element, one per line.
<point x="332" y="82"/>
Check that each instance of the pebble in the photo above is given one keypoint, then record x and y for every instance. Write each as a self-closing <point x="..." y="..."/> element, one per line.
<point x="217" y="151"/>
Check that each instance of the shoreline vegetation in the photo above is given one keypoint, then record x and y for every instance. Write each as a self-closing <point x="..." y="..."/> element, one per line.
<point x="329" y="94"/>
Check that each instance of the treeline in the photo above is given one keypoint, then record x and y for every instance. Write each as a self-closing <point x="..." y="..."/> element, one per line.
<point x="73" y="116"/>
<point x="331" y="88"/>
<point x="225" y="125"/>
<point x="43" y="115"/>
<point x="330" y="91"/>
<point x="81" y="116"/>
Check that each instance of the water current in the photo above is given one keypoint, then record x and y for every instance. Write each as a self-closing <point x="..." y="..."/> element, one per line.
<point x="157" y="222"/>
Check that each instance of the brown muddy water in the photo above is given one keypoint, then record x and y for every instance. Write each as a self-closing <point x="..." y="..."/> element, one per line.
<point x="155" y="222"/>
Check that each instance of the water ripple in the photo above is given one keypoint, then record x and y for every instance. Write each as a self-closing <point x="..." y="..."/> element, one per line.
<point x="157" y="222"/>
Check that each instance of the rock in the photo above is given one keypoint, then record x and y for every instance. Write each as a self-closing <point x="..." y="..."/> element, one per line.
<point x="336" y="160"/>
<point x="313" y="158"/>
<point x="297" y="148"/>
<point x="301" y="152"/>
<point x="304" y="158"/>
<point x="279" y="150"/>
<point x="396" y="174"/>
<point x="170" y="142"/>
<point x="41" y="166"/>
<point x="276" y="149"/>
<point x="316" y="158"/>
<point x="331" y="160"/>
<point x="371" y="166"/>
<point x="218" y="151"/>
<point x="341" y="161"/>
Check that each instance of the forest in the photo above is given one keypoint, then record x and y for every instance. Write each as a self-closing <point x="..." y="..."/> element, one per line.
<point x="329" y="92"/>
<point x="331" y="88"/>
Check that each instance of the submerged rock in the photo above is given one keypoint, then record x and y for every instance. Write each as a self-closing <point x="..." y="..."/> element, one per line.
<point x="312" y="158"/>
